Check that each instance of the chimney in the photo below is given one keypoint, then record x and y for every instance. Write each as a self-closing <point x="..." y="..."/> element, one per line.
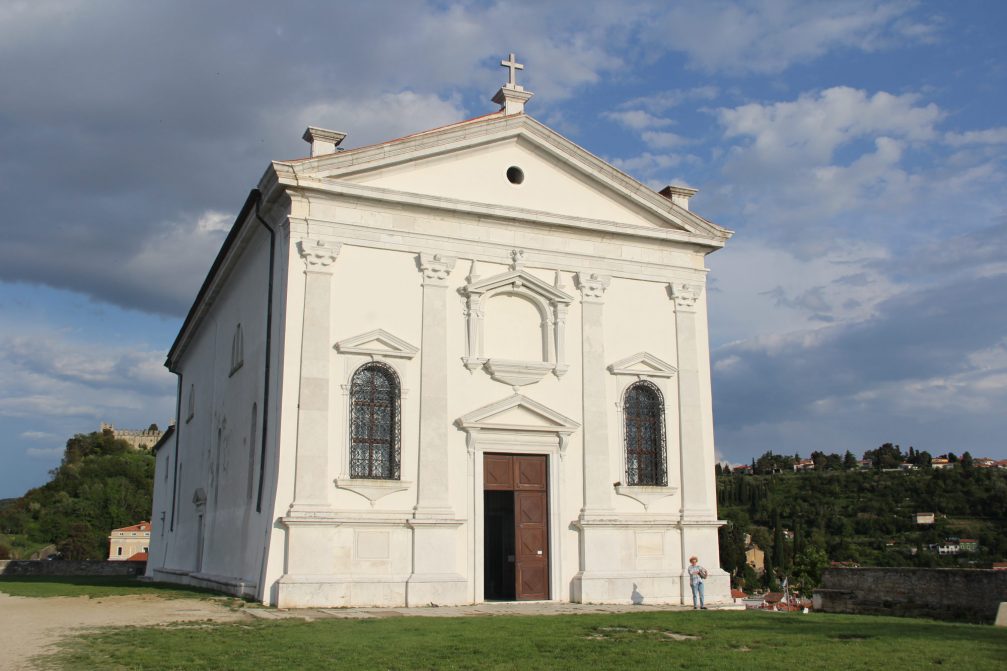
<point x="322" y="141"/>
<point x="679" y="195"/>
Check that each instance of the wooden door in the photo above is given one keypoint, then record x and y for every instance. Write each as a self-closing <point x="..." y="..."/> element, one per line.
<point x="526" y="476"/>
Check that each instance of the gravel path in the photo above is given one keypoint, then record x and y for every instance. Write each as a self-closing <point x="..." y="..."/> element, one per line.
<point x="30" y="626"/>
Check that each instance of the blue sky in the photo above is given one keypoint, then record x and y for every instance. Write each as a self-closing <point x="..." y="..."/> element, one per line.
<point x="858" y="149"/>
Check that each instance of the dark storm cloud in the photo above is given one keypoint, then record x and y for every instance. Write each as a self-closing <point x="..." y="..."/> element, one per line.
<point x="123" y="124"/>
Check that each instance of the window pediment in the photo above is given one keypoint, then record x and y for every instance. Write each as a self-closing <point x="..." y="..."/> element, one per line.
<point x="642" y="364"/>
<point x="517" y="413"/>
<point x="519" y="281"/>
<point x="378" y="342"/>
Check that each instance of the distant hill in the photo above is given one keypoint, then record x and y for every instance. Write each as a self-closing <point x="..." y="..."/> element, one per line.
<point x="803" y="521"/>
<point x="101" y="484"/>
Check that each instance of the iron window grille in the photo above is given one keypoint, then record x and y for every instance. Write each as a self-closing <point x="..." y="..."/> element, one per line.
<point x="646" y="447"/>
<point x="374" y="423"/>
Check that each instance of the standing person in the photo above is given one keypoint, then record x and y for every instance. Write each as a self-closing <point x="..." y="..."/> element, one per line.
<point x="697" y="577"/>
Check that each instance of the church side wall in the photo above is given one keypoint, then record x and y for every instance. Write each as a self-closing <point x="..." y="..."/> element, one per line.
<point x="159" y="517"/>
<point x="218" y="537"/>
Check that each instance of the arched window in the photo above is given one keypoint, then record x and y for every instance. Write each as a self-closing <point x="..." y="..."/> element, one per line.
<point x="643" y="410"/>
<point x="374" y="423"/>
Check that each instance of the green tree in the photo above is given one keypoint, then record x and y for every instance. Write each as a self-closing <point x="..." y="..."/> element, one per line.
<point x="808" y="567"/>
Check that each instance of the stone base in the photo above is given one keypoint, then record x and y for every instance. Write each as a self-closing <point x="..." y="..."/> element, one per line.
<point x="225" y="584"/>
<point x="437" y="589"/>
<point x="645" y="588"/>
<point x="1001" y="620"/>
<point x="333" y="591"/>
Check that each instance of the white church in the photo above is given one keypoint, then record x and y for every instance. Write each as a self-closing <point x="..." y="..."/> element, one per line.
<point x="466" y="365"/>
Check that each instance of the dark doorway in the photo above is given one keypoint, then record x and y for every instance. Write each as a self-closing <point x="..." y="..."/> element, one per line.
<point x="498" y="546"/>
<point x="515" y="527"/>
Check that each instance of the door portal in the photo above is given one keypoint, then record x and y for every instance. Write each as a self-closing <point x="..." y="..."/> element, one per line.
<point x="515" y="527"/>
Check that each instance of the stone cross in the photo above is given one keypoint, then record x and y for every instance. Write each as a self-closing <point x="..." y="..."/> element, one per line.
<point x="513" y="66"/>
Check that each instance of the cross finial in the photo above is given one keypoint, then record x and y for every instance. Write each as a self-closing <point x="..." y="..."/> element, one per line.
<point x="512" y="65"/>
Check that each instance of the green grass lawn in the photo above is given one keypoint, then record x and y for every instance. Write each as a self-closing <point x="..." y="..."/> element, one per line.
<point x="723" y="640"/>
<point x="96" y="587"/>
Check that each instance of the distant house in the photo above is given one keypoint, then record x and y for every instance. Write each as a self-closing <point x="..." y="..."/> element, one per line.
<point x="744" y="469"/>
<point x="924" y="518"/>
<point x="756" y="558"/>
<point x="948" y="547"/>
<point x="1000" y="566"/>
<point x="906" y="466"/>
<point x="126" y="543"/>
<point x="1002" y="463"/>
<point x="984" y="462"/>
<point x="940" y="463"/>
<point x="804" y="465"/>
<point x="968" y="545"/>
<point x="865" y="464"/>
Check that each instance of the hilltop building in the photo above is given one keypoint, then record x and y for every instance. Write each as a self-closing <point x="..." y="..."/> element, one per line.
<point x="139" y="439"/>
<point x="462" y="365"/>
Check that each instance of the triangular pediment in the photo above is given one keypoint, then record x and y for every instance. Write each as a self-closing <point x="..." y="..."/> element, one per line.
<point x="519" y="278"/>
<point x="469" y="163"/>
<point x="378" y="342"/>
<point x="517" y="413"/>
<point x="642" y="364"/>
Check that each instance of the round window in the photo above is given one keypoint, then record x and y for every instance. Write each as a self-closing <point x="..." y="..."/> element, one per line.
<point x="515" y="175"/>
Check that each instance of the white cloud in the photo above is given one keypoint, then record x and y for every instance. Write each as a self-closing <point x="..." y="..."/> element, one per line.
<point x="663" y="139"/>
<point x="44" y="452"/>
<point x="379" y="118"/>
<point x="763" y="37"/>
<point x="637" y="119"/>
<point x="810" y="129"/>
<point x="663" y="101"/>
<point x="38" y="435"/>
<point x="47" y="375"/>
<point x="805" y="166"/>
<point x="989" y="136"/>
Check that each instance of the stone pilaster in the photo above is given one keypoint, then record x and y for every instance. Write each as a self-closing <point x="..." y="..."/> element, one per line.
<point x="597" y="480"/>
<point x="435" y="578"/>
<point x="692" y="447"/>
<point x="432" y="478"/>
<point x="311" y="483"/>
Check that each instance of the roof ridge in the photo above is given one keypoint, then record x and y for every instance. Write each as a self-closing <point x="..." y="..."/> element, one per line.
<point x="498" y="113"/>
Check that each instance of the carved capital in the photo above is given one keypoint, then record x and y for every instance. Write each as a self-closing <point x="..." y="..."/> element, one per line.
<point x="318" y="255"/>
<point x="592" y="286"/>
<point x="685" y="295"/>
<point x="436" y="268"/>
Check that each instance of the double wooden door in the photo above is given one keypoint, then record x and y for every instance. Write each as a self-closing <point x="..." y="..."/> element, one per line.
<point x="525" y="477"/>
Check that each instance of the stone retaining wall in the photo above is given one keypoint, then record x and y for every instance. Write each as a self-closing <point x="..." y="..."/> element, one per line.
<point x="948" y="594"/>
<point x="18" y="567"/>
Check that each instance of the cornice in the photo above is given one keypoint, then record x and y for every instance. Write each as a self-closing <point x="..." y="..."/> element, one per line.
<point x="501" y="212"/>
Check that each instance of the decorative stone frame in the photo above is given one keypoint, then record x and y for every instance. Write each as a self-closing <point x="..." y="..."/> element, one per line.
<point x="552" y="304"/>
<point x="374" y="346"/>
<point x="487" y="429"/>
<point x="629" y="371"/>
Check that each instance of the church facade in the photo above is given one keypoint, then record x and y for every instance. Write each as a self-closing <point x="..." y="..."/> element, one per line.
<point x="469" y="364"/>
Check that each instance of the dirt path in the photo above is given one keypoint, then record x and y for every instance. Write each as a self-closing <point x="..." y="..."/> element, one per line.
<point x="30" y="626"/>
